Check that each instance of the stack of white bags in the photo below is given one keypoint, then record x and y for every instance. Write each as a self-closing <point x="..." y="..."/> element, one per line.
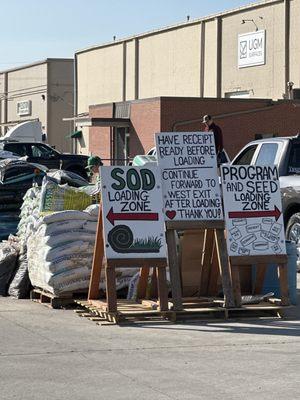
<point x="60" y="247"/>
<point x="60" y="251"/>
<point x="30" y="215"/>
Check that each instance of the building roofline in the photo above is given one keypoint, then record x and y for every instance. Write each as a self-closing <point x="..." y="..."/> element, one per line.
<point x="196" y="21"/>
<point x="35" y="63"/>
<point x="184" y="98"/>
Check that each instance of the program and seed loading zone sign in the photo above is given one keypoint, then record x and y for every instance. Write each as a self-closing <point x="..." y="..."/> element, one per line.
<point x="253" y="210"/>
<point x="191" y="189"/>
<point x="132" y="212"/>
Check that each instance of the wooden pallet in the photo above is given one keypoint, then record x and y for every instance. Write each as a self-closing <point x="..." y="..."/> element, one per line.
<point x="128" y="312"/>
<point x="193" y="310"/>
<point x="56" y="302"/>
<point x="211" y="308"/>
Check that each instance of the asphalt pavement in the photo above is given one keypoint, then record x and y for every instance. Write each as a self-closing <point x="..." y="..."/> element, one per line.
<point x="55" y="354"/>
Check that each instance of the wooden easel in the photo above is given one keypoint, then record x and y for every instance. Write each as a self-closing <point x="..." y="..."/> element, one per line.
<point x="213" y="229"/>
<point x="261" y="263"/>
<point x="110" y="265"/>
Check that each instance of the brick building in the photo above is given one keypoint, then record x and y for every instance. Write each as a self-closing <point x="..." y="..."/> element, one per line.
<point x="119" y="131"/>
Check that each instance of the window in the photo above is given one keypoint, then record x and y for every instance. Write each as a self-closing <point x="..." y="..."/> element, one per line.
<point x="121" y="146"/>
<point x="17" y="148"/>
<point x="246" y="156"/>
<point x="152" y="152"/>
<point x="294" y="161"/>
<point x="267" y="154"/>
<point x="41" y="151"/>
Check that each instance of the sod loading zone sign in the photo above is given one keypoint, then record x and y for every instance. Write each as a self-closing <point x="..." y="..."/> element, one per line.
<point x="132" y="212"/>
<point x="190" y="182"/>
<point x="253" y="210"/>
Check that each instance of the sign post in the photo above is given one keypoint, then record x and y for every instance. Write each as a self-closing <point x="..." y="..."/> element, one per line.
<point x="254" y="221"/>
<point x="192" y="199"/>
<point x="132" y="227"/>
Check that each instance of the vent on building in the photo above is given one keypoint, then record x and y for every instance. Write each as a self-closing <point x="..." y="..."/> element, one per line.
<point x="122" y="110"/>
<point x="241" y="94"/>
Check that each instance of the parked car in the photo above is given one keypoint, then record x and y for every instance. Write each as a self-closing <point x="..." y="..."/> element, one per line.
<point x="44" y="154"/>
<point x="285" y="153"/>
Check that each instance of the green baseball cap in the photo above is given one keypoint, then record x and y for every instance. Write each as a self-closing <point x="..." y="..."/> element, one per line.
<point x="94" y="161"/>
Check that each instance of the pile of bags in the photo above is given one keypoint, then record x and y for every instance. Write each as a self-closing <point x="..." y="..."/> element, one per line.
<point x="57" y="234"/>
<point x="56" y="197"/>
<point x="30" y="214"/>
<point x="57" y="244"/>
<point x="14" y="277"/>
<point x="60" y="251"/>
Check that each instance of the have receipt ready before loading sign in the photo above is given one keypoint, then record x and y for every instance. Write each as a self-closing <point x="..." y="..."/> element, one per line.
<point x="190" y="182"/>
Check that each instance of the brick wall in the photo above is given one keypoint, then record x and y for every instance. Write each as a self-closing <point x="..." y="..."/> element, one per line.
<point x="281" y="118"/>
<point x="99" y="137"/>
<point x="146" y="121"/>
<point x="240" y="120"/>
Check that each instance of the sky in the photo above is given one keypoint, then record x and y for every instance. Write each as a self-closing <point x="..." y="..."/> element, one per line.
<point x="33" y="30"/>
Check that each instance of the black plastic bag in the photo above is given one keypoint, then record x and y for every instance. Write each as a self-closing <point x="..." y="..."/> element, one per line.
<point x="8" y="260"/>
<point x="20" y="285"/>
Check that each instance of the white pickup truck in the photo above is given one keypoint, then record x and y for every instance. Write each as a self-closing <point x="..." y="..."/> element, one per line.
<point x="285" y="153"/>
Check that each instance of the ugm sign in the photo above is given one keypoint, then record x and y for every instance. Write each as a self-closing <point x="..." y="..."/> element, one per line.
<point x="251" y="49"/>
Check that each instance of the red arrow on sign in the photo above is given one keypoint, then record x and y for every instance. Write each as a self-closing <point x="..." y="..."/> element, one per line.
<point x="112" y="217"/>
<point x="255" y="214"/>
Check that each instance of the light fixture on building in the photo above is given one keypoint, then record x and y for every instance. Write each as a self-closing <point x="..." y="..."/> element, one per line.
<point x="251" y="20"/>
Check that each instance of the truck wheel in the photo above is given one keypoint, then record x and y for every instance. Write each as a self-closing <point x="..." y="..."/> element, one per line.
<point x="293" y="234"/>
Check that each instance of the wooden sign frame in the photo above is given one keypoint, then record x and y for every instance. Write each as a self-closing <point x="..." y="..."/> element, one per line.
<point x="261" y="262"/>
<point x="213" y="229"/>
<point x="99" y="261"/>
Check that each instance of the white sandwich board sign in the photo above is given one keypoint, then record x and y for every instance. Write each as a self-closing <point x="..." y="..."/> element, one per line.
<point x="132" y="212"/>
<point x="253" y="210"/>
<point x="190" y="181"/>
